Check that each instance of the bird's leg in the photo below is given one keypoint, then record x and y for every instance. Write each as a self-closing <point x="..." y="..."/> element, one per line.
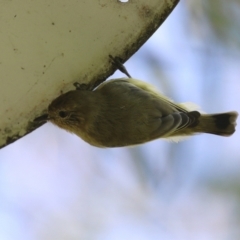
<point x="116" y="61"/>
<point x="80" y="86"/>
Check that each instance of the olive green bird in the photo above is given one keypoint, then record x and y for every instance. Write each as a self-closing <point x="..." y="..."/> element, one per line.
<point x="124" y="112"/>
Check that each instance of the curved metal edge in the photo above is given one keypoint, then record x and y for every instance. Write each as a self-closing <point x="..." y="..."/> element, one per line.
<point x="98" y="79"/>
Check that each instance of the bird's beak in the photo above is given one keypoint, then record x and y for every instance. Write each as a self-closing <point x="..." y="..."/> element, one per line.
<point x="42" y="118"/>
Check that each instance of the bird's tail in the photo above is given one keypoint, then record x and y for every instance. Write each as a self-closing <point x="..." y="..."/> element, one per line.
<point x="222" y="124"/>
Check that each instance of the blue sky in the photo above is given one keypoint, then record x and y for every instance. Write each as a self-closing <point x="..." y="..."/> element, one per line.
<point x="55" y="186"/>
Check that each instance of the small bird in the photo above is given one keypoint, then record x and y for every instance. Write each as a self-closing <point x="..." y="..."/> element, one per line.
<point x="125" y="112"/>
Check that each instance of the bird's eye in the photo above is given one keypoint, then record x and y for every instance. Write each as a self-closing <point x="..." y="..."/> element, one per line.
<point x="62" y="114"/>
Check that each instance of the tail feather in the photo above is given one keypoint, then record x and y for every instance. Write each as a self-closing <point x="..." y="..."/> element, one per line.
<point x="222" y="124"/>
